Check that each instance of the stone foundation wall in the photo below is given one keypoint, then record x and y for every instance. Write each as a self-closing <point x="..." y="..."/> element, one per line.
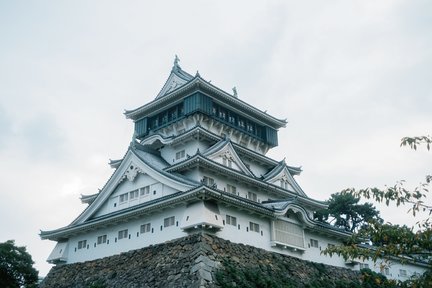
<point x="198" y="260"/>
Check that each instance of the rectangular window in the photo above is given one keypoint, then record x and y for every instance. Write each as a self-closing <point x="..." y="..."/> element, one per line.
<point x="133" y="195"/>
<point x="385" y="270"/>
<point x="252" y="196"/>
<point x="180" y="154"/>
<point x="254" y="227"/>
<point x="230" y="220"/>
<point x="241" y="123"/>
<point x="123" y="234"/>
<point x="222" y="114"/>
<point x="145" y="191"/>
<point x="123" y="197"/>
<point x="314" y="243"/>
<point x="164" y="119"/>
<point x="249" y="127"/>
<point x="231" y="118"/>
<point x="145" y="228"/>
<point x="364" y="266"/>
<point x="173" y="114"/>
<point x="82" y="244"/>
<point x="102" y="239"/>
<point x="231" y="189"/>
<point x="169" y="221"/>
<point x="208" y="181"/>
<point x="403" y="273"/>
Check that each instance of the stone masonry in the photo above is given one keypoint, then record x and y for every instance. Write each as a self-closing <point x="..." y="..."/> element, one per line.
<point x="191" y="261"/>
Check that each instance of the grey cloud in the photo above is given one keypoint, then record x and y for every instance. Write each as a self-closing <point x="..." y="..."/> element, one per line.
<point x="5" y="128"/>
<point x="42" y="138"/>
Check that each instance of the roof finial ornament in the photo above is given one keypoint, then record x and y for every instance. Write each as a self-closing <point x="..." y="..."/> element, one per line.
<point x="176" y="61"/>
<point x="197" y="74"/>
<point x="234" y="89"/>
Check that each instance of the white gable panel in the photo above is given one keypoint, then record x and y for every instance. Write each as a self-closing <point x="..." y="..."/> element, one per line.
<point x="176" y="79"/>
<point x="129" y="170"/>
<point x="130" y="193"/>
<point x="285" y="180"/>
<point x="282" y="182"/>
<point x="228" y="157"/>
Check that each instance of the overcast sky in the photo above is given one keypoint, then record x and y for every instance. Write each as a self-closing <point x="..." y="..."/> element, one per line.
<point x="351" y="77"/>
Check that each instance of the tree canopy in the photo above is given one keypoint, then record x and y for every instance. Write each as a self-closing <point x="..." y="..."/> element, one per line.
<point x="344" y="211"/>
<point x="16" y="266"/>
<point x="393" y="241"/>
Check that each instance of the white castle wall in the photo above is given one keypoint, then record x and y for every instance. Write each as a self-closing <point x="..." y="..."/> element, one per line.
<point x="168" y="153"/>
<point x="256" y="169"/>
<point x="159" y="234"/>
<point x="240" y="233"/>
<point x="156" y="190"/>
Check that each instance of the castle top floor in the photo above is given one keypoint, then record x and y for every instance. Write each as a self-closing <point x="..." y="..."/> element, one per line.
<point x="184" y="96"/>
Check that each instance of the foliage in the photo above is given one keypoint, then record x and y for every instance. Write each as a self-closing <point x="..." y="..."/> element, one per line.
<point x="413" y="142"/>
<point x="344" y="211"/>
<point x="16" y="266"/>
<point x="371" y="279"/>
<point x="394" y="241"/>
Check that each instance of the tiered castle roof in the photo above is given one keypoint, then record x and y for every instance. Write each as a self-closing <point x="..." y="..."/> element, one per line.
<point x="191" y="98"/>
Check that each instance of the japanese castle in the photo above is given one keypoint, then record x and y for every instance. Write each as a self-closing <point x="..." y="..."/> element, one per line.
<point x="197" y="163"/>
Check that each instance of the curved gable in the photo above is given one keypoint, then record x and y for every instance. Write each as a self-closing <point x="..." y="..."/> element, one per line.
<point x="177" y="78"/>
<point x="281" y="176"/>
<point x="130" y="168"/>
<point x="223" y="152"/>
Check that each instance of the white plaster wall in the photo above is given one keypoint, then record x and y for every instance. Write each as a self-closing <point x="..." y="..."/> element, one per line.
<point x="157" y="190"/>
<point x="168" y="152"/>
<point x="394" y="269"/>
<point x="241" y="188"/>
<point x="256" y="169"/>
<point x="314" y="254"/>
<point x="236" y="234"/>
<point x="193" y="174"/>
<point x="136" y="241"/>
<point x="240" y="233"/>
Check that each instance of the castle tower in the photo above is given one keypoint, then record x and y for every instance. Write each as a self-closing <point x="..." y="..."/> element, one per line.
<point x="197" y="162"/>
